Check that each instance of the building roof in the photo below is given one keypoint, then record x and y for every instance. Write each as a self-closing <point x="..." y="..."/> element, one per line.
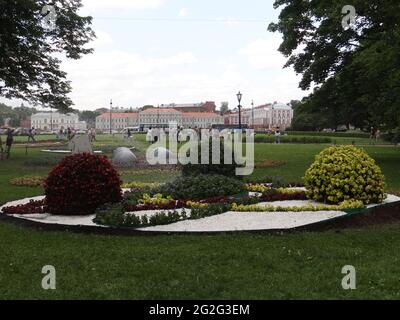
<point x="160" y="110"/>
<point x="281" y="106"/>
<point x="54" y="114"/>
<point x="117" y="115"/>
<point x="200" y="115"/>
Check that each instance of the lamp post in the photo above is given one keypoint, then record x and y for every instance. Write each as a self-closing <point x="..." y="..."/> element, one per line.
<point x="158" y="116"/>
<point x="239" y="97"/>
<point x="252" y="113"/>
<point x="51" y="119"/>
<point x="111" y="104"/>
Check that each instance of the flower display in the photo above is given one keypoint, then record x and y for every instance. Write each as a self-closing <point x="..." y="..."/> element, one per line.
<point x="28" y="181"/>
<point x="345" y="173"/>
<point x="80" y="183"/>
<point x="32" y="207"/>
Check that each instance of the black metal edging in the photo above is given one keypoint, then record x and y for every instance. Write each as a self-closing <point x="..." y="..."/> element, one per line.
<point x="126" y="231"/>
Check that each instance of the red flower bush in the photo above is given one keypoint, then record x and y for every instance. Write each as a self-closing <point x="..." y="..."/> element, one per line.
<point x="32" y="207"/>
<point x="80" y="183"/>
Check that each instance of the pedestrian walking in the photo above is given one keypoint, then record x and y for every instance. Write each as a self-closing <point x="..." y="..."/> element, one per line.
<point x="31" y="135"/>
<point x="278" y="136"/>
<point x="9" y="142"/>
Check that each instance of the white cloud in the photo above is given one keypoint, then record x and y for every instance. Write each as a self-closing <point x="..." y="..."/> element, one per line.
<point x="122" y="4"/>
<point x="229" y="21"/>
<point x="129" y="78"/>
<point x="102" y="38"/>
<point x="183" y="12"/>
<point x="263" y="53"/>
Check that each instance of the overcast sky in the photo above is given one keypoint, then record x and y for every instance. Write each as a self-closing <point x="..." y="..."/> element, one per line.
<point x="180" y="51"/>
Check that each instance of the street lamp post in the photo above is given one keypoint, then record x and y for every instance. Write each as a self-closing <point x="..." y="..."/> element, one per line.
<point x="252" y="113"/>
<point x="239" y="97"/>
<point x="51" y="119"/>
<point x="111" y="104"/>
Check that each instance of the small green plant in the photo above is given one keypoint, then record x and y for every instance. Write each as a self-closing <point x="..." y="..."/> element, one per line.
<point x="202" y="186"/>
<point x="343" y="173"/>
<point x="228" y="170"/>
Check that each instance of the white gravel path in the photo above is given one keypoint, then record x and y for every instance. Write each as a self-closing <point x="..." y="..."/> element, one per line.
<point x="229" y="221"/>
<point x="247" y="221"/>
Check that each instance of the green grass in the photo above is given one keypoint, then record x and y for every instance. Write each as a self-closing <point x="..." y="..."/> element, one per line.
<point x="296" y="266"/>
<point x="297" y="158"/>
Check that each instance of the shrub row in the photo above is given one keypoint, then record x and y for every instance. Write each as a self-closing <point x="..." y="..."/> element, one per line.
<point x="329" y="134"/>
<point x="202" y="186"/>
<point x="289" y="139"/>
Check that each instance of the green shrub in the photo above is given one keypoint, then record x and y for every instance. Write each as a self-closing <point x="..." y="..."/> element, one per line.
<point x="329" y="134"/>
<point x="343" y="173"/>
<point x="228" y="170"/>
<point x="201" y="186"/>
<point x="294" y="139"/>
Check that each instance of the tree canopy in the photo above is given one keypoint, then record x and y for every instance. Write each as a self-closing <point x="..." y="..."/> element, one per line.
<point x="30" y="51"/>
<point x="355" y="72"/>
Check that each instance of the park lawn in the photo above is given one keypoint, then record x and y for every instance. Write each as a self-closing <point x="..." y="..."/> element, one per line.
<point x="292" y="266"/>
<point x="297" y="158"/>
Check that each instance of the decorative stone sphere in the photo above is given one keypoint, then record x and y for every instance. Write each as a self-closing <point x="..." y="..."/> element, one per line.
<point x="124" y="157"/>
<point x="159" y="155"/>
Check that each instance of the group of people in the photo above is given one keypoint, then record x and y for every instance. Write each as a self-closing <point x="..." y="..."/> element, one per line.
<point x="9" y="143"/>
<point x="375" y="134"/>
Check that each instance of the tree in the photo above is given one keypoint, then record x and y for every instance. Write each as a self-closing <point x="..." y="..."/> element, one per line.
<point x="224" y="108"/>
<point x="15" y="115"/>
<point x="355" y="69"/>
<point x="89" y="117"/>
<point x="29" y="68"/>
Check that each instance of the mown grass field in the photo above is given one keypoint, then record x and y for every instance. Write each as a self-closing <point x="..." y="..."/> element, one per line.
<point x="245" y="266"/>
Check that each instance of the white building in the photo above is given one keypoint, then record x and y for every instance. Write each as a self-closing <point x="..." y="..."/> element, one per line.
<point x="55" y="121"/>
<point x="117" y="121"/>
<point x="157" y="117"/>
<point x="269" y="116"/>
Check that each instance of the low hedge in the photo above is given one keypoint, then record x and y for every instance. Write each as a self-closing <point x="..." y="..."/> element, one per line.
<point x="289" y="139"/>
<point x="329" y="134"/>
<point x="201" y="186"/>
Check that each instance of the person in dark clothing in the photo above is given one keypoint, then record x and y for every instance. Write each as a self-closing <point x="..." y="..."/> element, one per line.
<point x="1" y="149"/>
<point x="31" y="135"/>
<point x="9" y="142"/>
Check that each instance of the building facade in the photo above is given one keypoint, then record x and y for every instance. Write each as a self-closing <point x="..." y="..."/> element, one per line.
<point x="209" y="107"/>
<point x="117" y="121"/>
<point x="157" y="117"/>
<point x="268" y="116"/>
<point x="54" y="121"/>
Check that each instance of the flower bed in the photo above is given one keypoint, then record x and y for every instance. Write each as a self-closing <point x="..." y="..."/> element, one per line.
<point x="32" y="207"/>
<point x="199" y="197"/>
<point x="28" y="181"/>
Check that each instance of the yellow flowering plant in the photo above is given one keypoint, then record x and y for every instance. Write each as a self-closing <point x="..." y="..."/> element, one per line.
<point x="345" y="173"/>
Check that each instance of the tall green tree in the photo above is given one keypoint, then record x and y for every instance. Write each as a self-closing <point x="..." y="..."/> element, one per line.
<point x="33" y="37"/>
<point x="355" y="71"/>
<point x="224" y="108"/>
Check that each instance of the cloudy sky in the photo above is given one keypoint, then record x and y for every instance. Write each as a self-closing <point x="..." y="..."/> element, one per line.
<point x="164" y="51"/>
